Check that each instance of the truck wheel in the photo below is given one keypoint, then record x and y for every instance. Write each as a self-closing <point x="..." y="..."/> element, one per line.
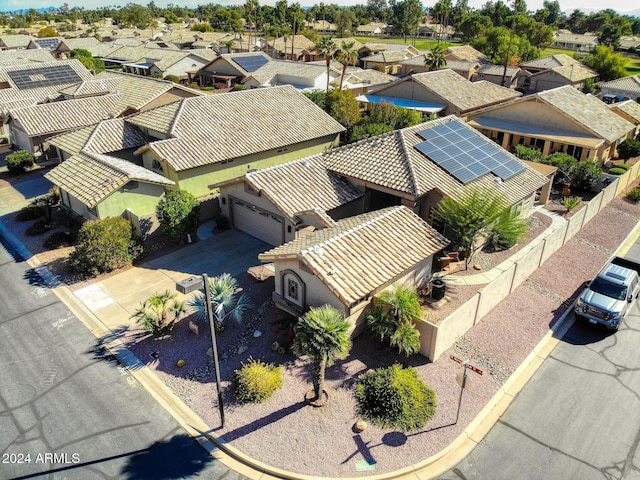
<point x="275" y="346"/>
<point x="281" y="351"/>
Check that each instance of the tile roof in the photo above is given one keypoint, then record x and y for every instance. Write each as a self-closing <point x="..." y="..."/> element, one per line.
<point x="589" y="111"/>
<point x="15" y="41"/>
<point x="628" y="84"/>
<point x="91" y="177"/>
<point x="215" y="128"/>
<point x="368" y="76"/>
<point x="16" y="57"/>
<point x="54" y="117"/>
<point x="90" y="88"/>
<point x="302" y="185"/>
<point x="301" y="42"/>
<point x="391" y="161"/>
<point x="8" y="105"/>
<point x="568" y="37"/>
<point x="298" y="70"/>
<point x="107" y="136"/>
<point x="466" y="53"/>
<point x="229" y="58"/>
<point x="497" y="70"/>
<point x="363" y="253"/>
<point x="461" y="93"/>
<point x="629" y="107"/>
<point x="551" y="62"/>
<point x="391" y="56"/>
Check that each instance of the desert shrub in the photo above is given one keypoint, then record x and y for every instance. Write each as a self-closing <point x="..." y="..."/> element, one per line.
<point x="208" y="89"/>
<point x="395" y="397"/>
<point x="634" y="195"/>
<point x="570" y="202"/>
<point x="158" y="313"/>
<point x="624" y="166"/>
<point x="38" y="227"/>
<point x="617" y="171"/>
<point x="368" y="130"/>
<point x="584" y="175"/>
<point x="30" y="212"/>
<point x="256" y="381"/>
<point x="526" y="153"/>
<point x="58" y="239"/>
<point x="629" y="148"/>
<point x="172" y="78"/>
<point x="104" y="245"/>
<point x="18" y="162"/>
<point x="505" y="232"/>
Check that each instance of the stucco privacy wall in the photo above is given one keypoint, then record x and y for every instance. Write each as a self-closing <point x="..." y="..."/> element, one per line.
<point x="437" y="338"/>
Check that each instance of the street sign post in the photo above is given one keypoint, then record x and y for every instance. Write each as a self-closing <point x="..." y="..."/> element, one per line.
<point x="463" y="382"/>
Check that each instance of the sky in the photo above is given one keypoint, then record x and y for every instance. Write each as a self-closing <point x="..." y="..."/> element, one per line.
<point x="621" y="6"/>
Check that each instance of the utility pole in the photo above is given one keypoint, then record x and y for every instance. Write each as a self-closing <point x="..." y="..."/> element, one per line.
<point x="508" y="56"/>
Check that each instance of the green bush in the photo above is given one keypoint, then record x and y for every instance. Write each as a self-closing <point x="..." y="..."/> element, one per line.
<point x="30" y="212"/>
<point x="624" y="166"/>
<point x="584" y="175"/>
<point x="617" y="171"/>
<point x="256" y="381"/>
<point x="172" y="78"/>
<point x="629" y="148"/>
<point x="208" y="89"/>
<point x="526" y="153"/>
<point x="634" y="194"/>
<point x="395" y="397"/>
<point x="178" y="213"/>
<point x="505" y="232"/>
<point x="570" y="202"/>
<point x="38" y="228"/>
<point x="18" y="162"/>
<point x="104" y="245"/>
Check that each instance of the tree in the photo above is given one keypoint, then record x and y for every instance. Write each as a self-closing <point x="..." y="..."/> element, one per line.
<point x="606" y="62"/>
<point x="322" y="334"/>
<point x="467" y="219"/>
<point x="86" y="58"/>
<point x="407" y="15"/>
<point x="344" y="22"/>
<point x="343" y="106"/>
<point x="228" y="44"/>
<point x="326" y="47"/>
<point x="224" y="299"/>
<point x="629" y="148"/>
<point x="473" y="25"/>
<point x="434" y="59"/>
<point x="178" y="212"/>
<point x="346" y="55"/>
<point x="159" y="312"/>
<point x="393" y="316"/>
<point x="47" y="32"/>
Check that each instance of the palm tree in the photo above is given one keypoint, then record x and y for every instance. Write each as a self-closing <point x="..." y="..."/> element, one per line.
<point x="159" y="312"/>
<point x="228" y="44"/>
<point x="326" y="47"/>
<point x="435" y="59"/>
<point x="225" y="303"/>
<point x="323" y="334"/>
<point x="347" y="55"/>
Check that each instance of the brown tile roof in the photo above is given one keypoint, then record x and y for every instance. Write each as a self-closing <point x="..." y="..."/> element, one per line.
<point x="215" y="128"/>
<point x="466" y="53"/>
<point x="587" y="110"/>
<point x="90" y="88"/>
<point x="91" y="177"/>
<point x="107" y="136"/>
<point x="16" y="57"/>
<point x="48" y="118"/>
<point x="363" y="253"/>
<point x="302" y="185"/>
<point x="628" y="84"/>
<point x="391" y="160"/>
<point x="629" y="107"/>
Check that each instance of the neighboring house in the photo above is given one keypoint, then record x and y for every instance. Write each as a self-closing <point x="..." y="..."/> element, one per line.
<point x="155" y="61"/>
<point x="553" y="71"/>
<point x="372" y="28"/>
<point x="418" y="166"/>
<point x="31" y="127"/>
<point x="441" y="91"/>
<point x="573" y="41"/>
<point x="388" y="61"/>
<point x="302" y="76"/>
<point x="280" y="48"/>
<point x="115" y="137"/>
<point x="67" y="44"/>
<point x="436" y="30"/>
<point x="630" y="111"/>
<point x="322" y="26"/>
<point x="558" y="120"/>
<point x="629" y="43"/>
<point x="465" y="53"/>
<point x="361" y="81"/>
<point x="49" y="44"/>
<point x="204" y="140"/>
<point x="373" y="48"/>
<point x="281" y="203"/>
<point x="17" y="57"/>
<point x="497" y="75"/>
<point x="347" y="265"/>
<point x="229" y="68"/>
<point x="95" y="186"/>
<point x="14" y="42"/>
<point x="623" y="88"/>
<point x="417" y="65"/>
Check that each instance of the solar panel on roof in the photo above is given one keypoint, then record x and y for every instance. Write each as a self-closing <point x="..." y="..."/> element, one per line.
<point x="251" y="63"/>
<point x="48" y="43"/>
<point x="44" y="76"/>
<point x="464" y="154"/>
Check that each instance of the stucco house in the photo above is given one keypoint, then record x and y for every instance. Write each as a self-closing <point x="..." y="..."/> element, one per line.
<point x="95" y="186"/>
<point x="465" y="53"/>
<point x="623" y="88"/>
<point x="16" y="57"/>
<point x="229" y="68"/>
<point x="346" y="265"/>
<point x="553" y="71"/>
<point x="574" y="41"/>
<point x="302" y="76"/>
<point x="630" y="111"/>
<point x="280" y="203"/>
<point x="497" y="75"/>
<point x="467" y="69"/>
<point x="14" y="42"/>
<point x="559" y="120"/>
<point x="199" y="141"/>
<point x="441" y="91"/>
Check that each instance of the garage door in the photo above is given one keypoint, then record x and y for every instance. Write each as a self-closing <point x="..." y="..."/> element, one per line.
<point x="257" y="222"/>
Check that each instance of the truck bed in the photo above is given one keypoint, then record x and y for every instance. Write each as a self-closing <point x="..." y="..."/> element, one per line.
<point x="626" y="263"/>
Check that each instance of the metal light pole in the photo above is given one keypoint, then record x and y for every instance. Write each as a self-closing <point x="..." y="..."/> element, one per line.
<point x="214" y="346"/>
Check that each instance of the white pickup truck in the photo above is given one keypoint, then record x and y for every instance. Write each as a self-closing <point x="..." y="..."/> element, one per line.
<point x="610" y="295"/>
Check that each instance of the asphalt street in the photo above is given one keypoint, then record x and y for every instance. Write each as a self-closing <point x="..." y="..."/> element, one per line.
<point x="577" y="418"/>
<point x="67" y="408"/>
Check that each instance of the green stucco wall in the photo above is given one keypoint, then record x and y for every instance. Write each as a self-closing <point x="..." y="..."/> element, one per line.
<point x="141" y="200"/>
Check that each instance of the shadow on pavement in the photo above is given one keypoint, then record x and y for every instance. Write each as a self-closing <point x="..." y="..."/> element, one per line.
<point x="99" y="350"/>
<point x="583" y="333"/>
<point x="178" y="457"/>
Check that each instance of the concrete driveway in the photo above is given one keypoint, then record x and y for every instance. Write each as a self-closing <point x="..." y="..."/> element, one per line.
<point x="114" y="299"/>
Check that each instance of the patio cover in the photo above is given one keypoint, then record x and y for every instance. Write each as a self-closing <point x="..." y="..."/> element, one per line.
<point x="403" y="102"/>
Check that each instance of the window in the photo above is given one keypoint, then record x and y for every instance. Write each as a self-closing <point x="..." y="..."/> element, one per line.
<point x="574" y="151"/>
<point x="156" y="166"/>
<point x="292" y="289"/>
